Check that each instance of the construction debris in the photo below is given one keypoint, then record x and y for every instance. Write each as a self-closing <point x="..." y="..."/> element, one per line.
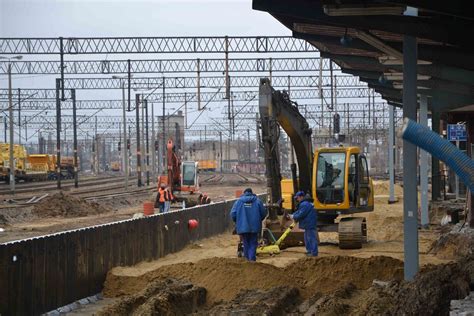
<point x="456" y="243"/>
<point x="161" y="297"/>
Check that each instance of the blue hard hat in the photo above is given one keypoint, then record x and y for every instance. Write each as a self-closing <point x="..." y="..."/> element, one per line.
<point x="300" y="193"/>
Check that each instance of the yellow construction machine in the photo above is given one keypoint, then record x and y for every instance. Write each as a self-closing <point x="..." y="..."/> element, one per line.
<point x="19" y="161"/>
<point x="274" y="247"/>
<point x="336" y="178"/>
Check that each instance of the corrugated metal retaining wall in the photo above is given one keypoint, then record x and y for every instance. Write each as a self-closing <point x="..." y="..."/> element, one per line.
<point x="40" y="274"/>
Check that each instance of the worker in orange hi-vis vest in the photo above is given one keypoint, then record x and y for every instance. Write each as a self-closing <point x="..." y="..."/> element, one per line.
<point x="161" y="199"/>
<point x="168" y="199"/>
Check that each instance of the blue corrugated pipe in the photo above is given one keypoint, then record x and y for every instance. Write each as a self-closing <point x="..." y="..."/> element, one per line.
<point x="440" y="148"/>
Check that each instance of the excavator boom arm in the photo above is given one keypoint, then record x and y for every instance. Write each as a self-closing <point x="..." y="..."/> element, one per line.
<point x="276" y="109"/>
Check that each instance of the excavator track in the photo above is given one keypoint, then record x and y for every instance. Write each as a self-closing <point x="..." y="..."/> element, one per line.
<point x="352" y="232"/>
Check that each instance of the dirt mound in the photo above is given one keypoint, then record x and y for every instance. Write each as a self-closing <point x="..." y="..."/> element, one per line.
<point x="168" y="297"/>
<point x="65" y="205"/>
<point x="429" y="294"/>
<point x="453" y="245"/>
<point x="328" y="274"/>
<point x="312" y="286"/>
<point x="276" y="301"/>
<point x="432" y="290"/>
<point x="225" y="278"/>
<point x="383" y="188"/>
<point x="222" y="278"/>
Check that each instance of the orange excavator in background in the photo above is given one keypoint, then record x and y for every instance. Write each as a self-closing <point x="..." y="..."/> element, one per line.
<point x="181" y="178"/>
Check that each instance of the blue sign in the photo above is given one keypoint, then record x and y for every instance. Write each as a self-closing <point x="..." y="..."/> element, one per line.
<point x="457" y="132"/>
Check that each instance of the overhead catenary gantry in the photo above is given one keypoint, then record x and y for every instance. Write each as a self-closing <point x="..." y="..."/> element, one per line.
<point x="238" y="95"/>
<point x="143" y="45"/>
<point x="66" y="47"/>
<point x="205" y="65"/>
<point x="217" y="80"/>
<point x="179" y="82"/>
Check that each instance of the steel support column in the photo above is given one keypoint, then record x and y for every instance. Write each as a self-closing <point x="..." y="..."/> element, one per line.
<point x="58" y="133"/>
<point x="129" y="78"/>
<point x="61" y="57"/>
<point x="153" y="141"/>
<point x="125" y="142"/>
<point x="74" y="125"/>
<point x="435" y="171"/>
<point x="391" y="153"/>
<point x="424" y="165"/>
<point x="198" y="76"/>
<point x="164" y="129"/>
<point x="10" y="123"/>
<point x="145" y="103"/>
<point x="220" y="145"/>
<point x="139" y="156"/>
<point x="19" y="117"/>
<point x="410" y="203"/>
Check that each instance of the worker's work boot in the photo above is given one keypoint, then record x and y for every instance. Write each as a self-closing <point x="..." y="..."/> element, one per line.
<point x="240" y="249"/>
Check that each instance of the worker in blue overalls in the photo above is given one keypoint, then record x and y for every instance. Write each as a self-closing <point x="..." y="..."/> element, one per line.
<point x="248" y="213"/>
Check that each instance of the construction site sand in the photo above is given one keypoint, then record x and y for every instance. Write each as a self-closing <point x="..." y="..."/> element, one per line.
<point x="382" y="187"/>
<point x="320" y="284"/>
<point x="224" y="278"/>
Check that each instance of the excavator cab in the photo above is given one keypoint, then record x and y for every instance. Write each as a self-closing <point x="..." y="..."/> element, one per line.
<point x="189" y="178"/>
<point x="341" y="182"/>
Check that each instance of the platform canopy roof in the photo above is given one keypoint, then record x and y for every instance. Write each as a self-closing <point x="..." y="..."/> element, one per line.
<point x="365" y="38"/>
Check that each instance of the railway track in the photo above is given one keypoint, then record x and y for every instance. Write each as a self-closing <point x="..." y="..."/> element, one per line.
<point x="232" y="178"/>
<point x="50" y="182"/>
<point x="214" y="179"/>
<point x="67" y="184"/>
<point x="89" y="194"/>
<point x="248" y="178"/>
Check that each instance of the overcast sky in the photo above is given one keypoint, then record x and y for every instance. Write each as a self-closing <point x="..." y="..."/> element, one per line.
<point x="111" y="18"/>
<point x="49" y="18"/>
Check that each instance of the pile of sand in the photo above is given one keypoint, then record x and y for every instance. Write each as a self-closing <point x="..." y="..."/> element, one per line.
<point x="225" y="278"/>
<point x="65" y="205"/>
<point x="314" y="286"/>
<point x="383" y="188"/>
<point x="222" y="278"/>
<point x="328" y="274"/>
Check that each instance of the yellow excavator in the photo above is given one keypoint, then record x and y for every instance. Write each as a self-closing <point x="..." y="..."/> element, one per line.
<point x="336" y="178"/>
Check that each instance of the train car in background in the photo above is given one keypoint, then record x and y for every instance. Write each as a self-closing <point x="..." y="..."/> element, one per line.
<point x="115" y="166"/>
<point x="33" y="167"/>
<point x="19" y="160"/>
<point x="207" y="165"/>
